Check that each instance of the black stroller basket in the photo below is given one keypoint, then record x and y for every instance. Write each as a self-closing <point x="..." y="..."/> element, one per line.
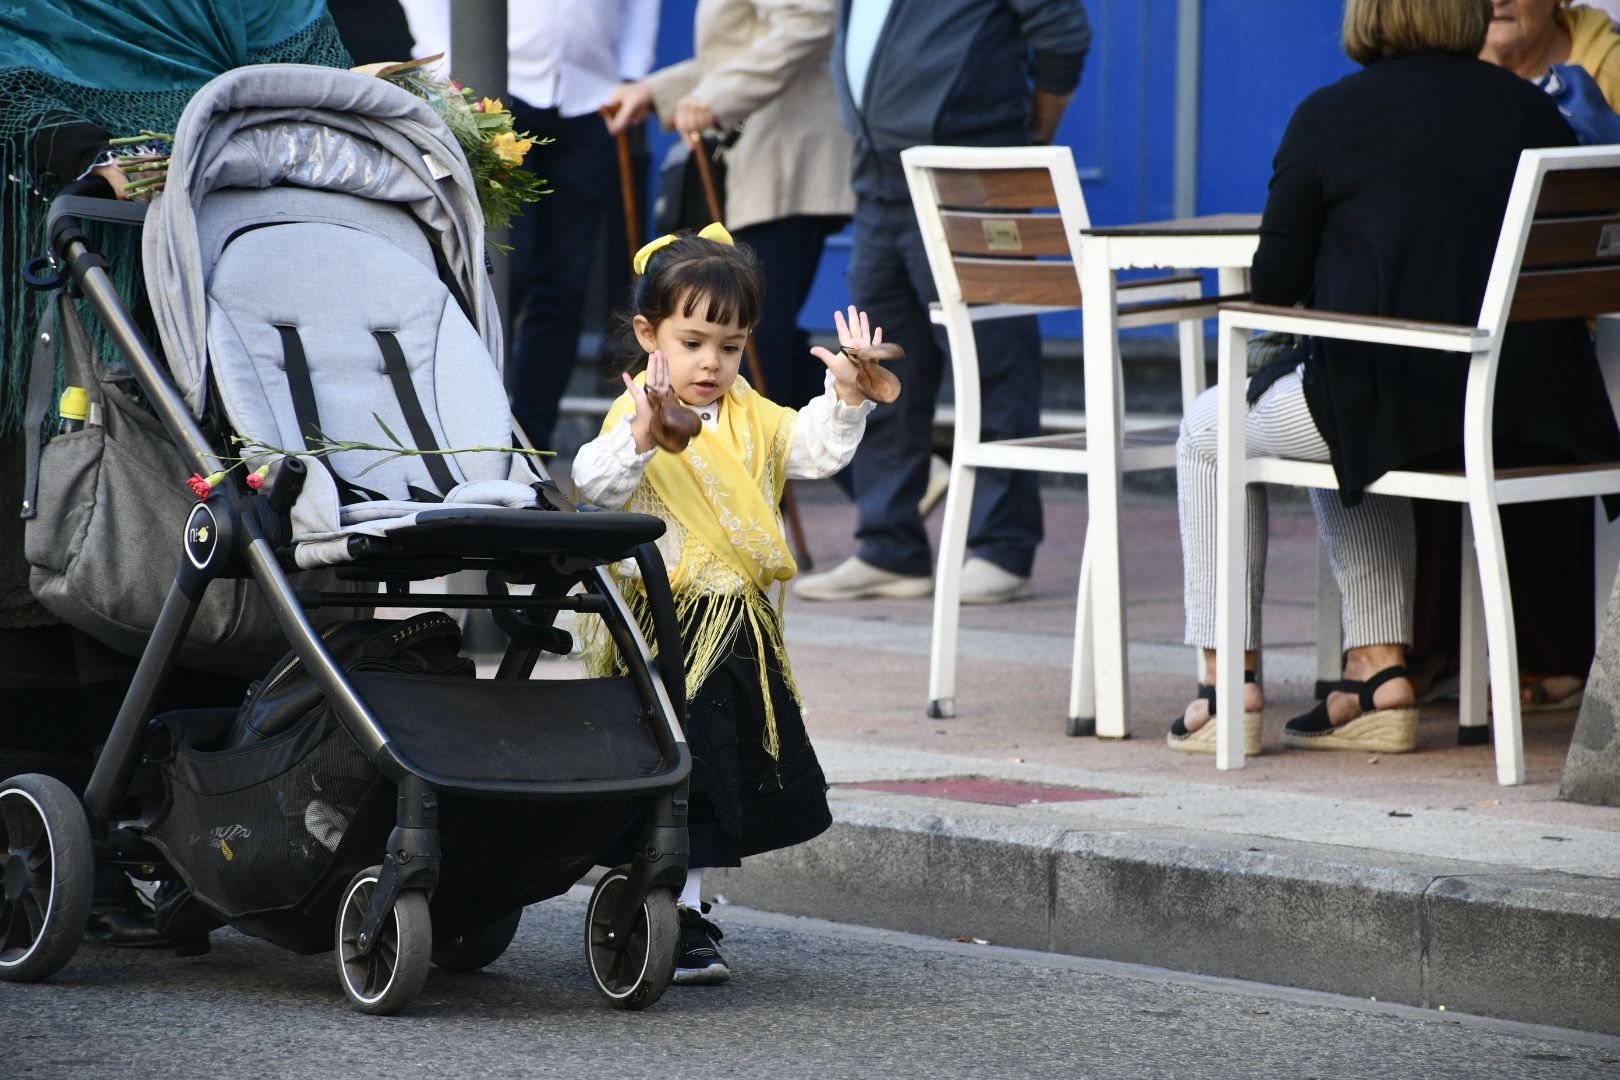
<point x="410" y="808"/>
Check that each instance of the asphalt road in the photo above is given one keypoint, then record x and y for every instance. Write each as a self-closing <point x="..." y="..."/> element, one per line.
<point x="808" y="999"/>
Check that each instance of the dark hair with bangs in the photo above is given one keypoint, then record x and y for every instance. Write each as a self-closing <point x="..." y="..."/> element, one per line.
<point x="695" y="275"/>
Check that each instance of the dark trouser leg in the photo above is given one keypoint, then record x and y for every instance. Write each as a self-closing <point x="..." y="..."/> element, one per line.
<point x="554" y="245"/>
<point x="1549" y="555"/>
<point x="890" y="469"/>
<point x="790" y="250"/>
<point x="1005" y="526"/>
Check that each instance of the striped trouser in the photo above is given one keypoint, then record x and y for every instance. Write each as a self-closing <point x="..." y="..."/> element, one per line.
<point x="1371" y="547"/>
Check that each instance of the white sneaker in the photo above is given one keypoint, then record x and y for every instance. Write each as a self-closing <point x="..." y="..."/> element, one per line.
<point x="983" y="582"/>
<point x="939" y="482"/>
<point x="854" y="579"/>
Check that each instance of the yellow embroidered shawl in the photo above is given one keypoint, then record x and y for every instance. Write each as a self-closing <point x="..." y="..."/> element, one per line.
<point x="721" y="499"/>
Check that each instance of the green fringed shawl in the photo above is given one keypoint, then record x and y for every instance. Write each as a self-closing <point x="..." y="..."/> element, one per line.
<point x="124" y="66"/>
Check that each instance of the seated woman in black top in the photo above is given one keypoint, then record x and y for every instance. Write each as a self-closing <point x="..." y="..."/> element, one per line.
<point x="1386" y="198"/>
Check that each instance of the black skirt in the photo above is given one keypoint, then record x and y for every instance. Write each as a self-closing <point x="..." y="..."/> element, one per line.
<point x="743" y="801"/>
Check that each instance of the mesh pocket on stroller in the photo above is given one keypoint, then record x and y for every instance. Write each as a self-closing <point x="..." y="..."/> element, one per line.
<point x="256" y="828"/>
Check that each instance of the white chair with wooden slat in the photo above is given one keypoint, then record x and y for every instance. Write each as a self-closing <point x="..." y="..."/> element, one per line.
<point x="1558" y="256"/>
<point x="1002" y="230"/>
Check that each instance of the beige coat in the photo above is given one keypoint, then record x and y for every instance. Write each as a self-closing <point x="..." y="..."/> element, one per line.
<point x="762" y="64"/>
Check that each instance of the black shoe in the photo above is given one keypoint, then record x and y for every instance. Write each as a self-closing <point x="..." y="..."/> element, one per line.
<point x="127" y="930"/>
<point x="699" y="963"/>
<point x="124" y="920"/>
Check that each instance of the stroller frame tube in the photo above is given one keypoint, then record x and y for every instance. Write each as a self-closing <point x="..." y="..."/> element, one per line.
<point x="120" y="757"/>
<point x="73" y="249"/>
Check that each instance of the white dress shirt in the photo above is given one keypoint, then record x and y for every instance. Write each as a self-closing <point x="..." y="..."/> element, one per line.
<point x="561" y="54"/>
<point x="607" y="469"/>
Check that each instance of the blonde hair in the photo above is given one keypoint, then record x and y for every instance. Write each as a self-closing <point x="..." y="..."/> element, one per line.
<point x="1374" y="29"/>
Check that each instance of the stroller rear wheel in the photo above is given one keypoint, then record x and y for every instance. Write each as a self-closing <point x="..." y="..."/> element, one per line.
<point x="47" y="876"/>
<point x="477" y="948"/>
<point x="635" y="976"/>
<point x="391" y="975"/>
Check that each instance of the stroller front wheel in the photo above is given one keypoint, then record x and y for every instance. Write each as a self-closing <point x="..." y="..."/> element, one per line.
<point x="46" y="876"/>
<point x="388" y="978"/>
<point x="635" y="976"/>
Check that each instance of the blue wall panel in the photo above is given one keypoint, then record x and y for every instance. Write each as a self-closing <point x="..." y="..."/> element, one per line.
<point x="1260" y="58"/>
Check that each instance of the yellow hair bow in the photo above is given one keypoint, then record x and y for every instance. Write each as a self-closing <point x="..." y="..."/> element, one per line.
<point x="713" y="231"/>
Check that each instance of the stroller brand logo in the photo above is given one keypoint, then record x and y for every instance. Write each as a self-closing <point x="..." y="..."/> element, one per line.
<point x="220" y="836"/>
<point x="201" y="536"/>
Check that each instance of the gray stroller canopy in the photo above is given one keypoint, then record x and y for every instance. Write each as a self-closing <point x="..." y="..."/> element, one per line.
<point x="314" y="127"/>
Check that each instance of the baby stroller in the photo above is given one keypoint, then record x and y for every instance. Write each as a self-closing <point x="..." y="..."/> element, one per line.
<point x="317" y="273"/>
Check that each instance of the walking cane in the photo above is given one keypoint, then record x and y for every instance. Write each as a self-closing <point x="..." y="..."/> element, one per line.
<point x="756" y="374"/>
<point x="627" y="191"/>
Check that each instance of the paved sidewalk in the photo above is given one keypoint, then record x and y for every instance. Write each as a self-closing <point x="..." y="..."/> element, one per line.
<point x="1411" y="878"/>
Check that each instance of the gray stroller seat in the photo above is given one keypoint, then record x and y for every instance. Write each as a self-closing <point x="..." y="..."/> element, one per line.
<point x="326" y="329"/>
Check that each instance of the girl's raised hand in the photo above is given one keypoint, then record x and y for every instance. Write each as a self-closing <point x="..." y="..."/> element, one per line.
<point x="661" y="420"/>
<point x="657" y="382"/>
<point x="854" y="332"/>
<point x="853" y="366"/>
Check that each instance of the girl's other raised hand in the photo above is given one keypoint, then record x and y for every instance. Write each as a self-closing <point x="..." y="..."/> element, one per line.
<point x="854" y="332"/>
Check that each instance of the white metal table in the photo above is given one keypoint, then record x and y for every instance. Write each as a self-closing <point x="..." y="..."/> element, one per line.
<point x="1222" y="242"/>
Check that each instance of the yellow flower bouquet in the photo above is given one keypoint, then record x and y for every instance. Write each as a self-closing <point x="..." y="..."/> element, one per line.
<point x="482" y="126"/>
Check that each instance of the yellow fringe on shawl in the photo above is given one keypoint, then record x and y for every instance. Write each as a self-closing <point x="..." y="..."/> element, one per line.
<point x="724" y="547"/>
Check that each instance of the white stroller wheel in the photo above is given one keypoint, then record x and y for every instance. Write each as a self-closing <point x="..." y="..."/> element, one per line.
<point x="637" y="975"/>
<point x="47" y="876"/>
<point x="388" y="978"/>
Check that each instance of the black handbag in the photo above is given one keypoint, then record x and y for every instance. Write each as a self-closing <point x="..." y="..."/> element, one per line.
<point x="682" y="202"/>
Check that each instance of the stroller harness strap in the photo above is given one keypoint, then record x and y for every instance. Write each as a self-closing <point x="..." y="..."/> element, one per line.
<point x="399" y="373"/>
<point x="296" y="366"/>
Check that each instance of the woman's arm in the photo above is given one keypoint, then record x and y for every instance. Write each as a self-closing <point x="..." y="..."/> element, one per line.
<point x="1291" y="228"/>
<point x="798" y="37"/>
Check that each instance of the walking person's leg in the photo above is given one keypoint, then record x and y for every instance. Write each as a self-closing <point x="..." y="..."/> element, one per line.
<point x="1006" y="524"/>
<point x="891" y="467"/>
<point x="554" y="243"/>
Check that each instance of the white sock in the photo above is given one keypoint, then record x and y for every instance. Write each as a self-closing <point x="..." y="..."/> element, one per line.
<point x="692" y="894"/>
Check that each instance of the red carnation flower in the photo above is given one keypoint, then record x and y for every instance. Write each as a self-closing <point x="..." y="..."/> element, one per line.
<point x="199" y="487"/>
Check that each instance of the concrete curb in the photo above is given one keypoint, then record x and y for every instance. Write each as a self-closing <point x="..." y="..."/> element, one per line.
<point x="1536" y="946"/>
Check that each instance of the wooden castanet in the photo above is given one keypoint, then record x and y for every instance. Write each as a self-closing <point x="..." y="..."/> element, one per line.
<point x="877" y="382"/>
<point x="672" y="424"/>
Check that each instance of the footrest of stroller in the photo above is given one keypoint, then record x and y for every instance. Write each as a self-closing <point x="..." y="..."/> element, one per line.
<point x="541" y="731"/>
<point x="515" y="534"/>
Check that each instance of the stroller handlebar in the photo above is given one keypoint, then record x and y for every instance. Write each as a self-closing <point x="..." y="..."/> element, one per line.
<point x="78" y="201"/>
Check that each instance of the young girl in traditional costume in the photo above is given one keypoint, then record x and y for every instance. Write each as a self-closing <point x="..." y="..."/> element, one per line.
<point x="756" y="784"/>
